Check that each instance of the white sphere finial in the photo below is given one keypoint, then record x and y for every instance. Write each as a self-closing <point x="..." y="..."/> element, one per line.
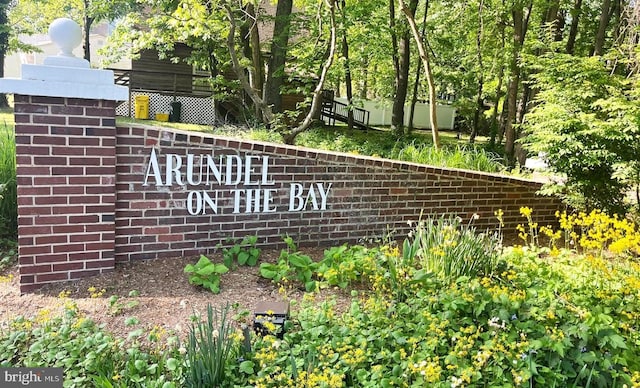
<point x="66" y="34"/>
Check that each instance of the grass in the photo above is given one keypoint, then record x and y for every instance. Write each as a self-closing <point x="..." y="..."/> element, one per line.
<point x="8" y="190"/>
<point x="382" y="142"/>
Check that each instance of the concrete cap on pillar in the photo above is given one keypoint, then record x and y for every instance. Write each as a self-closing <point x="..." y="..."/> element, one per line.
<point x="65" y="75"/>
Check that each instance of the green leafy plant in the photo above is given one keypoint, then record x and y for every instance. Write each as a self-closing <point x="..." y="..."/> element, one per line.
<point x="206" y="273"/>
<point x="344" y="265"/>
<point x="88" y="354"/>
<point x="447" y="247"/>
<point x="117" y="306"/>
<point x="588" y="131"/>
<point x="244" y="253"/>
<point x="291" y="265"/>
<point x="209" y="348"/>
<point x="8" y="253"/>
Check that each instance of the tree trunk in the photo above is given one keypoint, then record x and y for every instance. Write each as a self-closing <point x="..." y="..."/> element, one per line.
<point x="479" y="101"/>
<point x="512" y="91"/>
<point x="598" y="44"/>
<point x="257" y="81"/>
<point x="573" y="30"/>
<point x="4" y="45"/>
<point x="347" y="67"/>
<point x="409" y="14"/>
<point x="416" y="84"/>
<point x="276" y="73"/>
<point x="364" y="89"/>
<point x="402" y="76"/>
<point x="290" y="137"/>
<point x="88" y="21"/>
<point x="494" y="116"/>
<point x="265" y="109"/>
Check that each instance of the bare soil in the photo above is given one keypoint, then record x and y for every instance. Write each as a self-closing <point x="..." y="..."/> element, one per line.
<point x="165" y="297"/>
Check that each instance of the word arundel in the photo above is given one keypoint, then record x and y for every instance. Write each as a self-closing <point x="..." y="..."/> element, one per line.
<point x="252" y="171"/>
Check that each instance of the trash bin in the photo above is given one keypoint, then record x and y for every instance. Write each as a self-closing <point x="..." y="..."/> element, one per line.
<point x="176" y="110"/>
<point x="142" y="107"/>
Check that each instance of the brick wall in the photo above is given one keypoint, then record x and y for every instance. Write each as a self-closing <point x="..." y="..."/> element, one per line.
<point x="90" y="195"/>
<point x="66" y="195"/>
<point x="367" y="198"/>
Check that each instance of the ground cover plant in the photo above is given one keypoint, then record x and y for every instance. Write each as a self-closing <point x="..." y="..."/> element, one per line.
<point x="530" y="315"/>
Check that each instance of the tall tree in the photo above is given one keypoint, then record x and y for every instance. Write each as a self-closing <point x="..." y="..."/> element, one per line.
<point x="520" y="18"/>
<point x="277" y="62"/>
<point x="479" y="100"/>
<point x="603" y="22"/>
<point x="4" y="44"/>
<point x="404" y="64"/>
<point x="576" y="11"/>
<point x="424" y="56"/>
<point x="416" y="83"/>
<point x="347" y="65"/>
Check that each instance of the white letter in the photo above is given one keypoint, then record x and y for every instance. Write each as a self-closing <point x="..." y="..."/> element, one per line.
<point x="248" y="170"/>
<point x="198" y="208"/>
<point x="175" y="170"/>
<point x="295" y="193"/>
<point x="323" y="194"/>
<point x="236" y="201"/>
<point x="212" y="168"/>
<point x="268" y="200"/>
<point x="230" y="158"/>
<point x="153" y="165"/>
<point x="265" y="170"/>
<point x="190" y="171"/>
<point x="312" y="195"/>
<point x="212" y="204"/>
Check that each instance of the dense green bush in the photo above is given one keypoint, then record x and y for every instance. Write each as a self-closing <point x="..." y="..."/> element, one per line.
<point x="590" y="132"/>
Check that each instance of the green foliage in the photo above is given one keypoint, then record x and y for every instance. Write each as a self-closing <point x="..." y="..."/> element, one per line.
<point x="8" y="253"/>
<point x="589" y="131"/>
<point x="547" y="317"/>
<point x="467" y="157"/>
<point x="538" y="322"/>
<point x="447" y="247"/>
<point x="87" y="353"/>
<point x="209" y="349"/>
<point x="344" y="265"/>
<point x="244" y="252"/>
<point x="8" y="187"/>
<point x="292" y="265"/>
<point x="206" y="273"/>
<point x="118" y="306"/>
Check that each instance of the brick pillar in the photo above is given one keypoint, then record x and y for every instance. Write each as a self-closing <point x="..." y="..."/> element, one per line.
<point x="65" y="150"/>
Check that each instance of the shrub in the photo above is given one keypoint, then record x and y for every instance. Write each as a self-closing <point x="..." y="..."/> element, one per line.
<point x="589" y="132"/>
<point x="451" y="249"/>
<point x="206" y="273"/>
<point x="244" y="252"/>
<point x="292" y="265"/>
<point x="209" y="348"/>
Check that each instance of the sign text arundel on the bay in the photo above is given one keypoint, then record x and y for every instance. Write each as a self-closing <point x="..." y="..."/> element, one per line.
<point x="230" y="171"/>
